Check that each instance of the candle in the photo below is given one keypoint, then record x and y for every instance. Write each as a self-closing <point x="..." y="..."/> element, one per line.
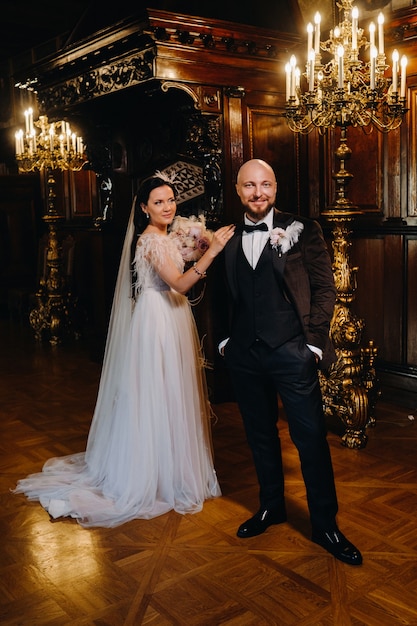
<point x="340" y="54"/>
<point x="297" y="77"/>
<point x="73" y="137"/>
<point x="319" y="88"/>
<point x="17" y="139"/>
<point x="381" y="33"/>
<point x="403" y="75"/>
<point x="317" y="20"/>
<point x="27" y="121"/>
<point x="293" y="63"/>
<point x="21" y="142"/>
<point x="395" y="57"/>
<point x="374" y="54"/>
<point x="287" y="81"/>
<point x="371" y="34"/>
<point x="51" y="137"/>
<point x="80" y="148"/>
<point x="311" y="58"/>
<point x="355" y="14"/>
<point x="309" y="37"/>
<point x="297" y="74"/>
<point x="30" y="120"/>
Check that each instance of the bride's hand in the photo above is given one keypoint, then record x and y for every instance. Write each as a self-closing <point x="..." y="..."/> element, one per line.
<point x="221" y="237"/>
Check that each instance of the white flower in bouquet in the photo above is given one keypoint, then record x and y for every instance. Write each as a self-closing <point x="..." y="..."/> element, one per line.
<point x="191" y="235"/>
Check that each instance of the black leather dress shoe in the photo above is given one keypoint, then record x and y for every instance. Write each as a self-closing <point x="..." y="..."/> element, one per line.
<point x="258" y="524"/>
<point x="336" y="543"/>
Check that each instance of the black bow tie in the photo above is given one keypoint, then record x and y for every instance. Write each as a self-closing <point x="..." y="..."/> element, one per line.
<point x="249" y="228"/>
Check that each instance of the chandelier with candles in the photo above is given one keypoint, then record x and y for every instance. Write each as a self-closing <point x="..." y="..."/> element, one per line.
<point x="45" y="145"/>
<point x="345" y="81"/>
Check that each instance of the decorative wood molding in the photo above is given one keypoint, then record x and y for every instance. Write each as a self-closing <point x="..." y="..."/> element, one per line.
<point x="209" y="41"/>
<point x="219" y="35"/>
<point x="97" y="82"/>
<point x="205" y="97"/>
<point x="402" y="25"/>
<point x="169" y="84"/>
<point x="235" y="92"/>
<point x="137" y="51"/>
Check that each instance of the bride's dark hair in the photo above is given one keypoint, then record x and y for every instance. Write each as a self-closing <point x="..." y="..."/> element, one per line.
<point x="142" y="196"/>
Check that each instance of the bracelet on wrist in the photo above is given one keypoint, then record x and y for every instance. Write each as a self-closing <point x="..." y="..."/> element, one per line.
<point x="197" y="271"/>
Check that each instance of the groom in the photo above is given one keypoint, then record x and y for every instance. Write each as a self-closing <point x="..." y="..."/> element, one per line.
<point x="282" y="297"/>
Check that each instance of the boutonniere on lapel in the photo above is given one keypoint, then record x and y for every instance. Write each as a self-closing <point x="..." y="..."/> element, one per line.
<point x="283" y="239"/>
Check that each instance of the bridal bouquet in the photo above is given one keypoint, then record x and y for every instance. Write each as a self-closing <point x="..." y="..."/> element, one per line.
<point x="191" y="235"/>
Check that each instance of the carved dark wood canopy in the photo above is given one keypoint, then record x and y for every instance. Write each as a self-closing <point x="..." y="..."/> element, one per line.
<point x="163" y="47"/>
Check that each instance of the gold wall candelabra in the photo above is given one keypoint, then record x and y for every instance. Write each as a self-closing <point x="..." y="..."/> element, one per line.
<point x="345" y="84"/>
<point x="47" y="147"/>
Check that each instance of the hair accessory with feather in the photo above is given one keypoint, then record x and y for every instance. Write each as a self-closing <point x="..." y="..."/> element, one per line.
<point x="168" y="178"/>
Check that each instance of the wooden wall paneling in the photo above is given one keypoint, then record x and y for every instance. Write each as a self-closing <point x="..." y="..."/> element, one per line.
<point x="391" y="279"/>
<point x="367" y="254"/>
<point x="402" y="34"/>
<point x="411" y="179"/>
<point x="83" y="194"/>
<point x="327" y="169"/>
<point x="313" y="169"/>
<point x="269" y="138"/>
<point x="365" y="165"/>
<point x="233" y="156"/>
<point x="392" y="166"/>
<point x="75" y="193"/>
<point x="411" y="301"/>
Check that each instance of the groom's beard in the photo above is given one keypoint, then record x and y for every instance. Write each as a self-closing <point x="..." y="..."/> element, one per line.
<point x="257" y="216"/>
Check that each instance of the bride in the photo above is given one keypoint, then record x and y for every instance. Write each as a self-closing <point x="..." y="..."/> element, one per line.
<point x="149" y="445"/>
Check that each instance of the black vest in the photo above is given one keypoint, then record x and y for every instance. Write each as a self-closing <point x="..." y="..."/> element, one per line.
<point x="262" y="312"/>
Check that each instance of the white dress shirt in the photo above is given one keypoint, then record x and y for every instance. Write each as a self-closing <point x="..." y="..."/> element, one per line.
<point x="253" y="243"/>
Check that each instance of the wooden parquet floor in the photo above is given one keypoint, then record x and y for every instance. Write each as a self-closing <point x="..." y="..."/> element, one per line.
<point x="193" y="570"/>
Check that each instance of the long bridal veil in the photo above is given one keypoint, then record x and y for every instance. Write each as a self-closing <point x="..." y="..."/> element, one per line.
<point x="114" y="353"/>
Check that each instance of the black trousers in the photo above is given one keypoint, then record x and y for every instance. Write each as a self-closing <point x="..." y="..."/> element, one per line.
<point x="291" y="371"/>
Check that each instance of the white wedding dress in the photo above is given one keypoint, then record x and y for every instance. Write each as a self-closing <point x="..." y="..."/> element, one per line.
<point x="149" y="447"/>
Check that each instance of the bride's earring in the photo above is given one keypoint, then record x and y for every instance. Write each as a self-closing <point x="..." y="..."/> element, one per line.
<point x="147" y="215"/>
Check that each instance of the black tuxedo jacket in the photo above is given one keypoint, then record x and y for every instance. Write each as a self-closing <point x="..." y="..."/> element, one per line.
<point x="307" y="276"/>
